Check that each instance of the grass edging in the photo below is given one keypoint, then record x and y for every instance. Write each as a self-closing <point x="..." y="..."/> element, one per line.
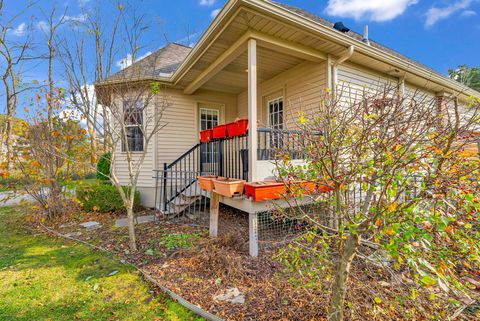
<point x="192" y="307"/>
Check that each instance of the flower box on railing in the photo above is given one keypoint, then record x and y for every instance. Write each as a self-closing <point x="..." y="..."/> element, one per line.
<point x="265" y="190"/>
<point x="237" y="128"/>
<point x="206" y="135"/>
<point x="220" y="132"/>
<point x="229" y="187"/>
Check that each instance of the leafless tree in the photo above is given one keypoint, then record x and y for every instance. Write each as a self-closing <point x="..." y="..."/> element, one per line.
<point x="132" y="109"/>
<point x="12" y="56"/>
<point x="81" y="74"/>
<point x="53" y="24"/>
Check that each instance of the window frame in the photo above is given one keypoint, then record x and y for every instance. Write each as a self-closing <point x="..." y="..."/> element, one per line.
<point x="270" y="101"/>
<point x="275" y="139"/>
<point x="216" y="110"/>
<point x="138" y="125"/>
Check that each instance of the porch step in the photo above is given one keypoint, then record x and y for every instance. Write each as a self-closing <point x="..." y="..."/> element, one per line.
<point x="181" y="201"/>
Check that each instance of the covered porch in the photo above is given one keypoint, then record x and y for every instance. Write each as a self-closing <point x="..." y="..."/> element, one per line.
<point x="269" y="78"/>
<point x="273" y="80"/>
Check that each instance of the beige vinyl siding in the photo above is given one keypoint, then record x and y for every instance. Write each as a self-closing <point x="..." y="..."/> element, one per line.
<point x="121" y="163"/>
<point x="301" y="88"/>
<point x="180" y="131"/>
<point x="355" y="81"/>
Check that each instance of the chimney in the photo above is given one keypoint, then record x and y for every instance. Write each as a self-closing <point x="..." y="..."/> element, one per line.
<point x="365" y="35"/>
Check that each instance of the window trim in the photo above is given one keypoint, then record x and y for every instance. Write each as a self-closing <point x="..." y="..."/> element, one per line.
<point x="123" y="149"/>
<point x="218" y="110"/>
<point x="278" y="98"/>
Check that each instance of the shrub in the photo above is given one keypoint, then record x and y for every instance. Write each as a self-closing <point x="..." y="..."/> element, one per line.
<point x="102" y="198"/>
<point x="12" y="182"/>
<point x="92" y="175"/>
<point x="103" y="167"/>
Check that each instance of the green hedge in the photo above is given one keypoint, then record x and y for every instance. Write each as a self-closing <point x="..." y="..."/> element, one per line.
<point x="103" y="167"/>
<point x="102" y="198"/>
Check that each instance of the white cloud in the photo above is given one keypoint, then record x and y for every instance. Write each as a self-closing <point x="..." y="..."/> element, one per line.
<point x="42" y="25"/>
<point x="214" y="13"/>
<point x="374" y="10"/>
<point x="78" y="18"/>
<point x="468" y="13"/>
<point x="127" y="61"/>
<point x="435" y="14"/>
<point x="207" y="3"/>
<point x="19" y="30"/>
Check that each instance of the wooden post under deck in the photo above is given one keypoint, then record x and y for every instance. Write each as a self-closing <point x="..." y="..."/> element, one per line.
<point x="253" y="234"/>
<point x="214" y="208"/>
<point x="252" y="110"/>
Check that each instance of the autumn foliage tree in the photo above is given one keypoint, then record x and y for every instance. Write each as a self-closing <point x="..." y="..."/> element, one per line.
<point x="403" y="195"/>
<point x="56" y="148"/>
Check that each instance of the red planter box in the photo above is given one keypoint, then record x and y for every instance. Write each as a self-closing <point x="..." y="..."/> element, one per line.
<point x="220" y="131"/>
<point x="206" y="135"/>
<point x="237" y="128"/>
<point x="266" y="190"/>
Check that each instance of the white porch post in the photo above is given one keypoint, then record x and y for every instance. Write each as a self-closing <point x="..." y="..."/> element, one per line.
<point x="252" y="110"/>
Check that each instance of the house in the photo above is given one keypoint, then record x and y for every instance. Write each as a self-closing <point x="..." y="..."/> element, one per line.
<point x="263" y="61"/>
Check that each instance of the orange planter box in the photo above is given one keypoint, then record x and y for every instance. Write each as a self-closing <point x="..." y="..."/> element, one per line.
<point x="206" y="182"/>
<point x="324" y="189"/>
<point x="304" y="187"/>
<point x="229" y="187"/>
<point x="265" y="190"/>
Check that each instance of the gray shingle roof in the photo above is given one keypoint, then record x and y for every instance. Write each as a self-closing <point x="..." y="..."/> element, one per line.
<point x="352" y="34"/>
<point x="161" y="63"/>
<point x="165" y="61"/>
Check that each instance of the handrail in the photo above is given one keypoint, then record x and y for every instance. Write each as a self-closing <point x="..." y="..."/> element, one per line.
<point x="183" y="156"/>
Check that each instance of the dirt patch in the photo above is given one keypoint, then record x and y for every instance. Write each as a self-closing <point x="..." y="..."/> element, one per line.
<point x="199" y="269"/>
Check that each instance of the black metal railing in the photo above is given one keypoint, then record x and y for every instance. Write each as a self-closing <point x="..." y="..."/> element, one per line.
<point x="226" y="157"/>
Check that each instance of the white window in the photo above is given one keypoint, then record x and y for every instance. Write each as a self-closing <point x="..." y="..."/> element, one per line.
<point x="275" y="120"/>
<point x="275" y="113"/>
<point x="133" y="117"/>
<point x="209" y="118"/>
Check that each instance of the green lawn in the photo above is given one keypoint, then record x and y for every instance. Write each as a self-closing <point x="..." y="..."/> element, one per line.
<point x="86" y="181"/>
<point x="44" y="278"/>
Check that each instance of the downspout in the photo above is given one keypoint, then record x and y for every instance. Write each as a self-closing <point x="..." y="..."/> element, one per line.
<point x="338" y="62"/>
<point x="401" y="86"/>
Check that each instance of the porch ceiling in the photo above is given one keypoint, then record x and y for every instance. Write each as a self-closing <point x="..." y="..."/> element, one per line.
<point x="233" y="77"/>
<point x="280" y="48"/>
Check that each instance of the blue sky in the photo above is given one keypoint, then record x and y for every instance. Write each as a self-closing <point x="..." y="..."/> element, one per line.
<point x="440" y="33"/>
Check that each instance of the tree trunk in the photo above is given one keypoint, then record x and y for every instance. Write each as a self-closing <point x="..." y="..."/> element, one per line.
<point x="343" y="270"/>
<point x="9" y="140"/>
<point x="131" y="227"/>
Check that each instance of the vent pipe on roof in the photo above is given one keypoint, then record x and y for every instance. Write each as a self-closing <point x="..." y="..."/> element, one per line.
<point x="365" y="35"/>
<point x="340" y="27"/>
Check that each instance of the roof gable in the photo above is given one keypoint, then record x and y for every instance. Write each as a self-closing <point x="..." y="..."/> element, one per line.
<point x="160" y="64"/>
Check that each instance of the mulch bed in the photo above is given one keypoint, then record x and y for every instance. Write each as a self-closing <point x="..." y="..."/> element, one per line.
<point x="211" y="266"/>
